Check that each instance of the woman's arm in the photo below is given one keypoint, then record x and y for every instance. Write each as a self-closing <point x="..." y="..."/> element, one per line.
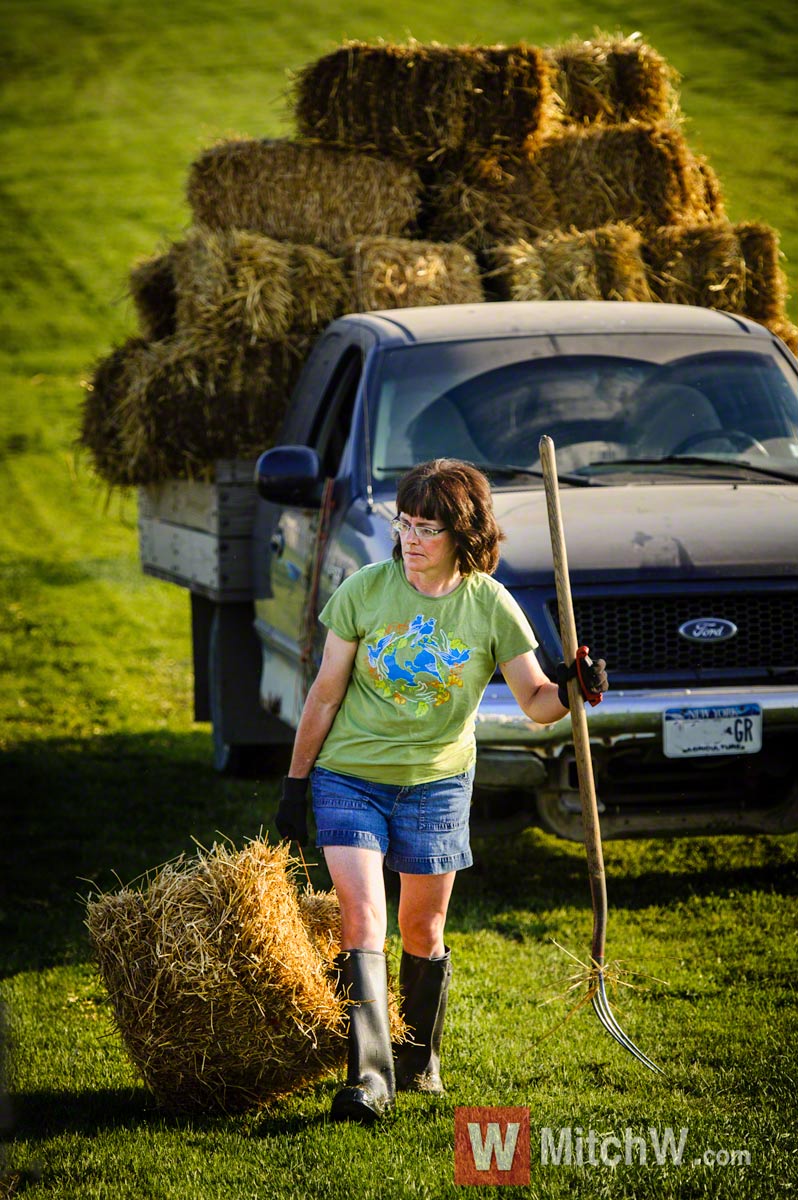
<point x="534" y="694"/>
<point x="322" y="703"/>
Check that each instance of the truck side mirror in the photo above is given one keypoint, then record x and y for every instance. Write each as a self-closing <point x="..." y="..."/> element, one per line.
<point x="290" y="475"/>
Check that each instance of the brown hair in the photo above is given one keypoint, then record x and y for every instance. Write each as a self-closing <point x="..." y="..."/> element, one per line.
<point x="457" y="495"/>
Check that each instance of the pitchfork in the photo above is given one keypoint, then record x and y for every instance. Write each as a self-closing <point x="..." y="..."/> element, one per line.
<point x="584" y="764"/>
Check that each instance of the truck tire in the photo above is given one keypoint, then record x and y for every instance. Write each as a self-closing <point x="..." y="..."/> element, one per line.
<point x="241" y="759"/>
<point x="228" y="759"/>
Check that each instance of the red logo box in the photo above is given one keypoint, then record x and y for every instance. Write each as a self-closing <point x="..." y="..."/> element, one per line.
<point x="491" y="1146"/>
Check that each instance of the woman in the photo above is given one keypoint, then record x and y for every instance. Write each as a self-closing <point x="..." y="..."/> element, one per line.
<point x="387" y="731"/>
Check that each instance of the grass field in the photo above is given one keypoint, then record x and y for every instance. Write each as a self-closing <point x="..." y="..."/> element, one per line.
<point x="102" y="107"/>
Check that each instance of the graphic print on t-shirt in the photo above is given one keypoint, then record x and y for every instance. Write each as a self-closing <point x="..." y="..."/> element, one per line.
<point x="416" y="663"/>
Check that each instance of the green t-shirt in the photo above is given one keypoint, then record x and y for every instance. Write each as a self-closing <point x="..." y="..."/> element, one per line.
<point x="421" y="668"/>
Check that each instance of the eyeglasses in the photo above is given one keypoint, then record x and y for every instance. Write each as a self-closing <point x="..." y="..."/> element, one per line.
<point x="424" y="532"/>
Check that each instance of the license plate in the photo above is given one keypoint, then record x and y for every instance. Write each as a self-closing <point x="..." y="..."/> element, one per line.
<point x="712" y="730"/>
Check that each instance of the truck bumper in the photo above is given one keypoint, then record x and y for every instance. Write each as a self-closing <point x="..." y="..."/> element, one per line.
<point x="650" y="794"/>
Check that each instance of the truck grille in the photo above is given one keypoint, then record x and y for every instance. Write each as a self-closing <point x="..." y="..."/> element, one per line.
<point x="639" y="635"/>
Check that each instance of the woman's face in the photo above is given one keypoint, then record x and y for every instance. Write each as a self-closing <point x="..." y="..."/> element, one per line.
<point x="436" y="554"/>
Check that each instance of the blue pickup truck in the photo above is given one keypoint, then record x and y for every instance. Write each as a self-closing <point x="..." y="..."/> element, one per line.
<point x="676" y="433"/>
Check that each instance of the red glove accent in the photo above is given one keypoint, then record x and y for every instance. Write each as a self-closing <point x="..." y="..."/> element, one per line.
<point x="583" y="655"/>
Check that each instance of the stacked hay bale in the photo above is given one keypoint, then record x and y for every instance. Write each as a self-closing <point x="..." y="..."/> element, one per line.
<point x="227" y="315"/>
<point x="600" y="264"/>
<point x="422" y="174"/>
<point x="566" y="171"/>
<point x="418" y="102"/>
<point x="720" y="265"/>
<point x="220" y="978"/>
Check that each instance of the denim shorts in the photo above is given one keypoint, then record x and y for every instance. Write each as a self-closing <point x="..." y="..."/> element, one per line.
<point x="420" y="830"/>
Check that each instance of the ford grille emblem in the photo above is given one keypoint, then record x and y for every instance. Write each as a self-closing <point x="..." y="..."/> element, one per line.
<point x="708" y="629"/>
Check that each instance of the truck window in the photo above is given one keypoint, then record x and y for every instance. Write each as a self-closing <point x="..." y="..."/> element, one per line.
<point x="490" y="403"/>
<point x="334" y="418"/>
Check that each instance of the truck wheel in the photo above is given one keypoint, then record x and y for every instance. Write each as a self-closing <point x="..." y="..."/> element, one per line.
<point x="228" y="758"/>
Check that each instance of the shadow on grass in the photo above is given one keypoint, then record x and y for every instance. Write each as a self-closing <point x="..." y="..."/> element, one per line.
<point x="83" y="816"/>
<point x="535" y="871"/>
<point x="48" y="1113"/>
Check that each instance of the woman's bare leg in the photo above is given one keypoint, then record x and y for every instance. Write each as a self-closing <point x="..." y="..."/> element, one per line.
<point x="423" y="904"/>
<point x="359" y="885"/>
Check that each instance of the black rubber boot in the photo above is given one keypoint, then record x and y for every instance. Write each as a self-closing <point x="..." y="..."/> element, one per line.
<point x="370" y="1089"/>
<point x="424" y="984"/>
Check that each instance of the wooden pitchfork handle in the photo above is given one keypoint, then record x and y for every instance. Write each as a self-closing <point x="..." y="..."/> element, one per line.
<point x="584" y="762"/>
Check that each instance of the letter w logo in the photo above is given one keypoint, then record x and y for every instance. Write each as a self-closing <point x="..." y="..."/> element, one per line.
<point x="483" y="1151"/>
<point x="491" y="1146"/>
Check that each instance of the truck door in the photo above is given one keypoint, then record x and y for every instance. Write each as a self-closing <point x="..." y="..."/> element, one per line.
<point x="284" y="621"/>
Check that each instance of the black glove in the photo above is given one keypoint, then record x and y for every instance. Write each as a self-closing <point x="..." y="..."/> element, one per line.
<point x="292" y="819"/>
<point x="592" y="676"/>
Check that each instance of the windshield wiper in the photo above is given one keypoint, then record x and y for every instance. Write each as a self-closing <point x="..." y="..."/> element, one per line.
<point x="699" y="460"/>
<point x="537" y="473"/>
<point x="510" y="470"/>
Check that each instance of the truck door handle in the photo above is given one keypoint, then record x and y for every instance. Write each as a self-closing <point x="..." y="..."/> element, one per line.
<point x="277" y="543"/>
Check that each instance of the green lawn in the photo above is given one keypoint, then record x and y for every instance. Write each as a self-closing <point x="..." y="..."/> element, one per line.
<point x="102" y="108"/>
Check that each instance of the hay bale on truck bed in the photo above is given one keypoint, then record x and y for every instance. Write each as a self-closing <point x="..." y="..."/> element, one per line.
<point x="221" y="992"/>
<point x="169" y="410"/>
<point x="601" y="264"/>
<point x="152" y="287"/>
<point x="302" y="193"/>
<point x="735" y="268"/>
<point x="697" y="264"/>
<point x="644" y="175"/>
<point x="235" y="287"/>
<point x="487" y="200"/>
<point x="641" y="175"/>
<point x="102" y="416"/>
<point x="394" y="273"/>
<point x="765" y="279"/>
<point x="417" y="101"/>
<point x="786" y="331"/>
<point x="612" y="80"/>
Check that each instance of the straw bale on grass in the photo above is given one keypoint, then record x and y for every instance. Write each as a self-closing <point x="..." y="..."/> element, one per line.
<point x="765" y="280"/>
<point x="321" y="916"/>
<point x="601" y="264"/>
<point x="394" y="273"/>
<point x="301" y="193"/>
<point x="612" y="80"/>
<point x="222" y="1000"/>
<point x="152" y="287"/>
<point x="417" y="101"/>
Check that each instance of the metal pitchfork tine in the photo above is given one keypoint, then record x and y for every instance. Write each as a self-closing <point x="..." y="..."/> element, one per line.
<point x="584" y="763"/>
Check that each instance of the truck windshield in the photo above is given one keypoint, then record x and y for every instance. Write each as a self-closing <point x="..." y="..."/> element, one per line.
<point x="634" y="403"/>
